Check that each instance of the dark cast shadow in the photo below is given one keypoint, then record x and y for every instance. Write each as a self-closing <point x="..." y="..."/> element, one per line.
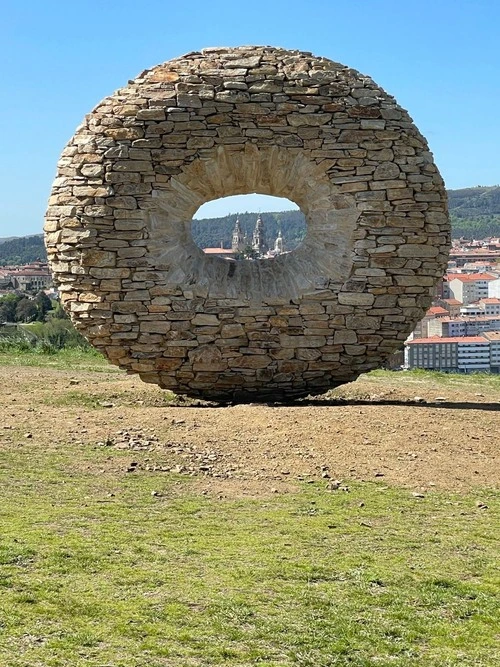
<point x="317" y="401"/>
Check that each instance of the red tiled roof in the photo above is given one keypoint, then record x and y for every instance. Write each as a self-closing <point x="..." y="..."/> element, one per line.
<point x="489" y="300"/>
<point x="472" y="277"/>
<point x="452" y="302"/>
<point x="436" y="310"/>
<point x="471" y="318"/>
<point x="457" y="339"/>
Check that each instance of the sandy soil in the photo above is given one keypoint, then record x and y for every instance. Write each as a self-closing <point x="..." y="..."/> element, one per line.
<point x="415" y="434"/>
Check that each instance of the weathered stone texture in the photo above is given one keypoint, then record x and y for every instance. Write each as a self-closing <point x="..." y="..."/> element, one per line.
<point x="234" y="121"/>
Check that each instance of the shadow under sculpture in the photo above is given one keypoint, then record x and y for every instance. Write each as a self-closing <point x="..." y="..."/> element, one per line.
<point x="228" y="121"/>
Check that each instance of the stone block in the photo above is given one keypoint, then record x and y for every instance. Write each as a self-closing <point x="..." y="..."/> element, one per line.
<point x="356" y="298"/>
<point x="343" y="336"/>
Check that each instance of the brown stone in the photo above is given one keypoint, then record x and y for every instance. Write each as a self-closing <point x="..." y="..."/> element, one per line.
<point x="207" y="358"/>
<point x="168" y="363"/>
<point x="251" y="361"/>
<point x="345" y="336"/>
<point x="204" y="319"/>
<point x="232" y="330"/>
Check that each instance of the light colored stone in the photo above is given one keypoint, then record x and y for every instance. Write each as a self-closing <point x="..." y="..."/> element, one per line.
<point x="203" y="319"/>
<point x="356" y="298"/>
<point x="416" y="250"/>
<point x="232" y="331"/>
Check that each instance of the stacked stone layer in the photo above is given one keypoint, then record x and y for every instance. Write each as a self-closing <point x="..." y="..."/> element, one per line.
<point x="233" y="121"/>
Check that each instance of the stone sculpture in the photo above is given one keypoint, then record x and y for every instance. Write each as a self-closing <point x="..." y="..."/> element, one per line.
<point x="228" y="121"/>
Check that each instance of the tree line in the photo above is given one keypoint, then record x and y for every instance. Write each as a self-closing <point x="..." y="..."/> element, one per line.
<point x="468" y="203"/>
<point x="22" y="250"/>
<point x="478" y="227"/>
<point x="474" y="213"/>
<point x="18" y="308"/>
<point x="42" y="325"/>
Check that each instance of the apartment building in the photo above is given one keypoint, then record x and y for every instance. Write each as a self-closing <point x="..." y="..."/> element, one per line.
<point x="463" y="326"/>
<point x="494" y="339"/>
<point x="438" y="354"/>
<point x="464" y="256"/>
<point x="422" y="328"/>
<point x="473" y="354"/>
<point x="489" y="307"/>
<point x="471" y="287"/>
<point x="468" y="354"/>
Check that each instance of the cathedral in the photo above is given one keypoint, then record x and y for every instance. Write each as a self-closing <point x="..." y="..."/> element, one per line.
<point x="239" y="242"/>
<point x="242" y="245"/>
<point x="259" y="244"/>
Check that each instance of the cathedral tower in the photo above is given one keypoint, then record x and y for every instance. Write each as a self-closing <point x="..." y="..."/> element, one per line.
<point x="239" y="239"/>
<point x="279" y="244"/>
<point x="259" y="243"/>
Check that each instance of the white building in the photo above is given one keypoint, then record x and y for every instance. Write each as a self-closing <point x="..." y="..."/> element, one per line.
<point x="469" y="288"/>
<point x="473" y="354"/>
<point x="460" y="355"/>
<point x="491" y="305"/>
<point x="488" y="307"/>
<point x="463" y="326"/>
<point x="494" y="288"/>
<point x="494" y="338"/>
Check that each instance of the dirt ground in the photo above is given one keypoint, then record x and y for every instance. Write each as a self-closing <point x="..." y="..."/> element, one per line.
<point x="397" y="430"/>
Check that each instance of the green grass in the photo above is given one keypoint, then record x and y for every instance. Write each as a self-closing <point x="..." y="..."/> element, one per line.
<point x="82" y="399"/>
<point x="96" y="571"/>
<point x="65" y="359"/>
<point x="100" y="567"/>
<point x="436" y="377"/>
<point x="99" y="400"/>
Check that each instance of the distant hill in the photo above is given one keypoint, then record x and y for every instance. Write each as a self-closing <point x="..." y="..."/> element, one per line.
<point x="3" y="239"/>
<point x="474" y="213"/>
<point x="22" y="250"/>
<point x="470" y="202"/>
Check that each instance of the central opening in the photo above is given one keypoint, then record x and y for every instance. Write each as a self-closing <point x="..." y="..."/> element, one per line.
<point x="248" y="227"/>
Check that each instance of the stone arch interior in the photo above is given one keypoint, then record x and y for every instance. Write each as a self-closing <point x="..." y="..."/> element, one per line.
<point x="330" y="221"/>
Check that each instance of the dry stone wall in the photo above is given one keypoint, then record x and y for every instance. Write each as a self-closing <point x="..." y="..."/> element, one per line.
<point x="228" y="121"/>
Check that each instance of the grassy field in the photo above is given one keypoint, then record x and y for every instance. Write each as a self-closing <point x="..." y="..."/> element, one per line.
<point x="79" y="359"/>
<point x="104" y="568"/>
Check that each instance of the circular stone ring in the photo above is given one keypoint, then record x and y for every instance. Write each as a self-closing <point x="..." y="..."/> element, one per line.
<point x="229" y="121"/>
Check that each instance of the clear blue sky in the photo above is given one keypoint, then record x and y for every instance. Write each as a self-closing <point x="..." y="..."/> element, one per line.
<point x="439" y="58"/>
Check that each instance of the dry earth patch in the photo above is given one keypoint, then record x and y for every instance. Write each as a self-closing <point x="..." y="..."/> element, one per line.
<point x="396" y="428"/>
